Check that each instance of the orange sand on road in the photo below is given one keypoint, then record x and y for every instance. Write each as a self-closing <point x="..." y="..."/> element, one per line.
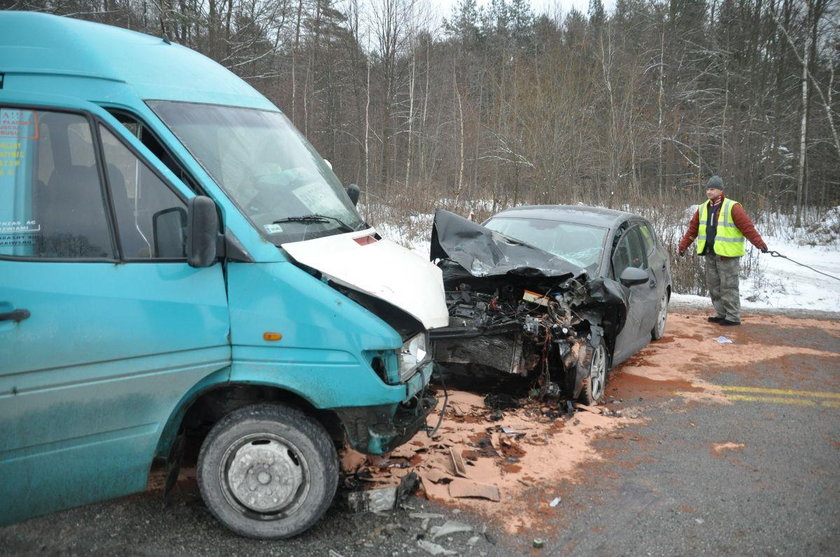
<point x="540" y="451"/>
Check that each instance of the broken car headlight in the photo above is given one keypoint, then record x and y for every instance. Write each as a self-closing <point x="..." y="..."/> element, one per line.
<point x="412" y="354"/>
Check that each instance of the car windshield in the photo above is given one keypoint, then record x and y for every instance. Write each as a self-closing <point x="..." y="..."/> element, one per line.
<point x="266" y="167"/>
<point x="580" y="244"/>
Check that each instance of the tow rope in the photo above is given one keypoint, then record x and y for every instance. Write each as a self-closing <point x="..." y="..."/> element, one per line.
<point x="777" y="254"/>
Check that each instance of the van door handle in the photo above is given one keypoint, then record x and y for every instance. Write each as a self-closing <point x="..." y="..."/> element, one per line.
<point x="17" y="316"/>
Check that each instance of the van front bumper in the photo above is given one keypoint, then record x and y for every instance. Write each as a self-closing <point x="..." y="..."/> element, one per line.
<point x="380" y="429"/>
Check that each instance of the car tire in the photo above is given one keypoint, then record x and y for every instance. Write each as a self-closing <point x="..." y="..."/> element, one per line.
<point x="658" y="330"/>
<point x="267" y="471"/>
<point x="595" y="382"/>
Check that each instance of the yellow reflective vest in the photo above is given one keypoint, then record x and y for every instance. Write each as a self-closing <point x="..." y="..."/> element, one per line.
<point x="729" y="240"/>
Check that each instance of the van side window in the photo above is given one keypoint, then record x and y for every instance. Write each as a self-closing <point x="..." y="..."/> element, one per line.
<point x="51" y="200"/>
<point x="139" y="130"/>
<point x="150" y="217"/>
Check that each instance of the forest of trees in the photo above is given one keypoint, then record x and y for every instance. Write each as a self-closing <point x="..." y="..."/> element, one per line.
<point x="637" y="105"/>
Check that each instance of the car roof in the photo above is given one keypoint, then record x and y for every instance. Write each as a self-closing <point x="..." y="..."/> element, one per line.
<point x="580" y="214"/>
<point x="44" y="45"/>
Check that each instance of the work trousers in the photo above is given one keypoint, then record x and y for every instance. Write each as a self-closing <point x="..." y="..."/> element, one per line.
<point x="722" y="280"/>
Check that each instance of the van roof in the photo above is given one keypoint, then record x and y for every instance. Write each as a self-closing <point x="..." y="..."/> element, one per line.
<point x="35" y="44"/>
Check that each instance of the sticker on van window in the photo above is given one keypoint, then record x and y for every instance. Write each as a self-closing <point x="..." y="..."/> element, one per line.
<point x="14" y="233"/>
<point x="316" y="196"/>
<point x="16" y="240"/>
<point x="18" y="124"/>
<point x="11" y="154"/>
<point x="273" y="228"/>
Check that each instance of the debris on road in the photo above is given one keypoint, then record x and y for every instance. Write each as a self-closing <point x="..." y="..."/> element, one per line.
<point x="720" y="448"/>
<point x="724" y="340"/>
<point x="466" y="488"/>
<point x="458" y="465"/>
<point x="538" y="445"/>
<point x="449" y="527"/>
<point x="434" y="549"/>
<point x="554" y="502"/>
<point x="383" y="498"/>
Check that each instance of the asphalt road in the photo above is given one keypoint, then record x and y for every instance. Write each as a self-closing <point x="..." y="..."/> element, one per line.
<point x="759" y="476"/>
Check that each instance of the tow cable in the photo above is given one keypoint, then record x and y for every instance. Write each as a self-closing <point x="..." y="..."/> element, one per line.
<point x="777" y="254"/>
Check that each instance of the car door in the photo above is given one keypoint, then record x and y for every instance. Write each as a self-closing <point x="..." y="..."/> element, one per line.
<point x="630" y="251"/>
<point x="657" y="260"/>
<point x="103" y="324"/>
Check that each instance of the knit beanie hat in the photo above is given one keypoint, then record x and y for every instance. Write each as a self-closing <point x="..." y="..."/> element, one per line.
<point x="715" y="182"/>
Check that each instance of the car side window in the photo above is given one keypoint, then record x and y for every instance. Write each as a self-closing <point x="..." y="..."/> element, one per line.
<point x="648" y="237"/>
<point x="629" y="252"/>
<point x="51" y="196"/>
<point x="151" y="218"/>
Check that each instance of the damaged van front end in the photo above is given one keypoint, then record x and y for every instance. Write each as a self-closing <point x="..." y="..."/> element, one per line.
<point x="405" y="292"/>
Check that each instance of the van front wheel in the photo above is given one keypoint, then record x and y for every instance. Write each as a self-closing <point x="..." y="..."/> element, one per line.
<point x="267" y="471"/>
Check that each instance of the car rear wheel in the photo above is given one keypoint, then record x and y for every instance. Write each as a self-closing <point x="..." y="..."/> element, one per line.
<point x="658" y="330"/>
<point x="594" y="384"/>
<point x="267" y="471"/>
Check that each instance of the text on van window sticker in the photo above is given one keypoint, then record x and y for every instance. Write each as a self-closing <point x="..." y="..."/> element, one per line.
<point x="314" y="197"/>
<point x="273" y="228"/>
<point x="18" y="233"/>
<point x="19" y="124"/>
<point x="11" y="153"/>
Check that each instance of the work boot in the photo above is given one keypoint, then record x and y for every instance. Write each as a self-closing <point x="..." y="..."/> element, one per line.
<point x="728" y="323"/>
<point x="716" y="319"/>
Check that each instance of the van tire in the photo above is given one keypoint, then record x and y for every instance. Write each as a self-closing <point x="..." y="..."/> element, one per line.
<point x="267" y="471"/>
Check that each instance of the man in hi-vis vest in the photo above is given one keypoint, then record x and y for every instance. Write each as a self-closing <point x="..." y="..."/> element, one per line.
<point x="720" y="226"/>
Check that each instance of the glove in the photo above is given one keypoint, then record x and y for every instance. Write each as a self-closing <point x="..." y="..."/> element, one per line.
<point x="764" y="249"/>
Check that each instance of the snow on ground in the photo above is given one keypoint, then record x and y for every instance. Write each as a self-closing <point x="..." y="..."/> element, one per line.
<point x="775" y="283"/>
<point x="781" y="284"/>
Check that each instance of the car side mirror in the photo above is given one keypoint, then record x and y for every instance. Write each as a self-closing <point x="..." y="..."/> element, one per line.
<point x="168" y="226"/>
<point x="633" y="275"/>
<point x="353" y="192"/>
<point x="202" y="231"/>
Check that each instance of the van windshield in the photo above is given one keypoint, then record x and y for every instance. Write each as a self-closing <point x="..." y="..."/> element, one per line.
<point x="266" y="167"/>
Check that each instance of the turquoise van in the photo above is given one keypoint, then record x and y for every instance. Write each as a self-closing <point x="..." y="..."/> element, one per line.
<point x="182" y="276"/>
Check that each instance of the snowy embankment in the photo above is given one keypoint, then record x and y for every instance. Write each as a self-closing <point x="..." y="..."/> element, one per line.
<point x="774" y="283"/>
<point x="779" y="283"/>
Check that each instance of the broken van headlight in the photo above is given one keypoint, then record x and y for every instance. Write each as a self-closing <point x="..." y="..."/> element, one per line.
<point x="412" y="354"/>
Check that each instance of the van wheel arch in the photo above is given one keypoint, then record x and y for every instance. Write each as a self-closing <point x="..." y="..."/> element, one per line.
<point x="213" y="404"/>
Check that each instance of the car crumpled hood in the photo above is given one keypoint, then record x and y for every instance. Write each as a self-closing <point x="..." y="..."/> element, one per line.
<point x="379" y="268"/>
<point x="485" y="253"/>
<point x="483" y="258"/>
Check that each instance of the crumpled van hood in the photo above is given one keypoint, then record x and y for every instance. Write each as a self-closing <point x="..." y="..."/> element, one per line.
<point x="379" y="268"/>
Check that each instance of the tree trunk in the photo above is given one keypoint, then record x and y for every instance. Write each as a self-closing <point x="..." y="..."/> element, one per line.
<point x="803" y="129"/>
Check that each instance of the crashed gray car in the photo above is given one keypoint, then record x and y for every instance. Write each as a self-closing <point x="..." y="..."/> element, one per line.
<point x="557" y="294"/>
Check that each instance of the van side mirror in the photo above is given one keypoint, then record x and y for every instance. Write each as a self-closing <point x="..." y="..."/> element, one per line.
<point x="633" y="275"/>
<point x="168" y="226"/>
<point x="202" y="231"/>
<point x="353" y="192"/>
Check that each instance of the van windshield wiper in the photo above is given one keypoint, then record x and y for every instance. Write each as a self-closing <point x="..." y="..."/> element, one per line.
<point x="315" y="218"/>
